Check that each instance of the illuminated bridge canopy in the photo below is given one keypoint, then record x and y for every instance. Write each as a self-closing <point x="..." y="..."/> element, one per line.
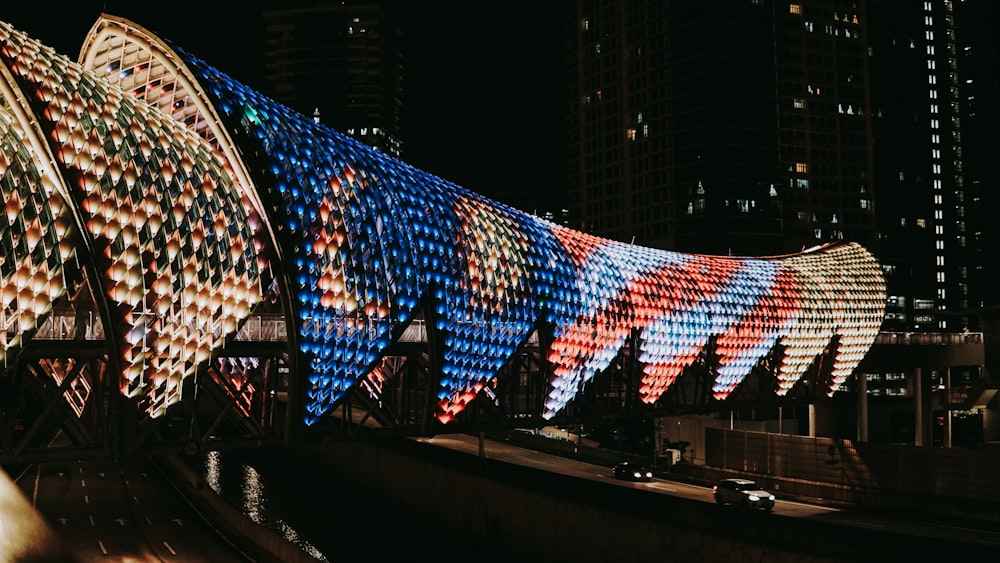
<point x="195" y="201"/>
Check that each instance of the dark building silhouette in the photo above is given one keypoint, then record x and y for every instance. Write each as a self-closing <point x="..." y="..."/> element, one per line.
<point x="758" y="127"/>
<point x="340" y="61"/>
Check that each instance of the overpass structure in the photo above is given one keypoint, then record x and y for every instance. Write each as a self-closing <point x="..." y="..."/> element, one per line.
<point x="187" y="263"/>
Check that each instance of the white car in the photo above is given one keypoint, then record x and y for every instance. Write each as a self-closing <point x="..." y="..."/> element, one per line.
<point x="743" y="493"/>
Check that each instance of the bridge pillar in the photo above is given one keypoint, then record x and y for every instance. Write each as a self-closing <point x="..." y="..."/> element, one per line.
<point x="919" y="438"/>
<point x="862" y="391"/>
<point x="947" y="407"/>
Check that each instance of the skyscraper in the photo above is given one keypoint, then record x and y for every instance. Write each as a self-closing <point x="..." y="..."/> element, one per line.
<point x="759" y="127"/>
<point x="339" y="61"/>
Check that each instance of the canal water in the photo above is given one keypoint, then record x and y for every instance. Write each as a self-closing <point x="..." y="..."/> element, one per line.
<point x="259" y="494"/>
<point x="300" y="501"/>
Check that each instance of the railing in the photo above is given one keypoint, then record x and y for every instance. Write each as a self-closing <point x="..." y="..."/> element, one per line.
<point x="929" y="338"/>
<point x="65" y="326"/>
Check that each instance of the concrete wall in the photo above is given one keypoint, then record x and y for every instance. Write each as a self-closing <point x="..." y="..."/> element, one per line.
<point x="944" y="482"/>
<point x="490" y="510"/>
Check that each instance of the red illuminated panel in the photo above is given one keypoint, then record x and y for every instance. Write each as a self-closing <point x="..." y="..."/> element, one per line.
<point x="740" y="348"/>
<point x="681" y="320"/>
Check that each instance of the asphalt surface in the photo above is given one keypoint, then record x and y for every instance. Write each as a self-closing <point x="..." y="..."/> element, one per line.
<point x="107" y="511"/>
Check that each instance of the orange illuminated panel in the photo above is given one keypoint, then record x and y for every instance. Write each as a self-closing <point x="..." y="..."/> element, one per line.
<point x="36" y="238"/>
<point x="166" y="221"/>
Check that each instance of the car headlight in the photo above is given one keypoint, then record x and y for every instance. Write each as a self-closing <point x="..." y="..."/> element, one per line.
<point x="770" y="497"/>
<point x="754" y="498"/>
<point x="637" y="475"/>
<point x="649" y="474"/>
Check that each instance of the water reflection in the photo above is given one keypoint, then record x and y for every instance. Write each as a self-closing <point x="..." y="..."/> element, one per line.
<point x="242" y="486"/>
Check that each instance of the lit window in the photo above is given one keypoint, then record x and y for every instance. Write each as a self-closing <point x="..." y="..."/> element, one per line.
<point x="795" y="9"/>
<point x="801" y="167"/>
<point x="799" y="103"/>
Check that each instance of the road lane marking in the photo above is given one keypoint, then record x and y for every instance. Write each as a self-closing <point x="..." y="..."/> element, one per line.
<point x="86" y="499"/>
<point x="815" y="506"/>
<point x="92" y="520"/>
<point x="38" y="477"/>
<point x="662" y="487"/>
<point x="104" y="550"/>
<point x="172" y="552"/>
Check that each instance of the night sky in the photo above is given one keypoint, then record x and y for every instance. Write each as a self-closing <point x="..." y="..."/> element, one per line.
<point x="483" y="101"/>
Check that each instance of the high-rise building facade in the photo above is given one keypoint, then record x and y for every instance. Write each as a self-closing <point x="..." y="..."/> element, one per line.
<point x="339" y="61"/>
<point x="757" y="127"/>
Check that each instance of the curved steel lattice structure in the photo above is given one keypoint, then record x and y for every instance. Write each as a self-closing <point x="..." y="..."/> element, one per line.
<point x="194" y="201"/>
